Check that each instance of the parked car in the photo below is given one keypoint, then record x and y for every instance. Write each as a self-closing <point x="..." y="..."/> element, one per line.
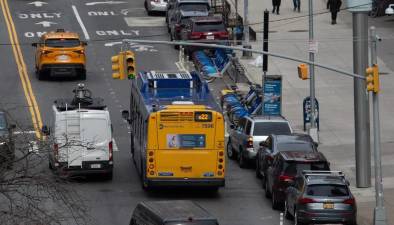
<point x="60" y="54"/>
<point x="277" y="143"/>
<point x="320" y="197"/>
<point x="208" y="29"/>
<point x="285" y="167"/>
<point x="180" y="19"/>
<point x="155" y="6"/>
<point x="190" y="7"/>
<point x="171" y="213"/>
<point x="7" y="147"/>
<point x="244" y="138"/>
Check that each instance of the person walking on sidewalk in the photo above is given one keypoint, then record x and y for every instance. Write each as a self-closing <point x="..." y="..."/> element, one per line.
<point x="297" y="5"/>
<point x="276" y="5"/>
<point x="334" y="6"/>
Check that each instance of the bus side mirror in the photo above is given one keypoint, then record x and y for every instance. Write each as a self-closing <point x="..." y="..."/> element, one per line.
<point x="45" y="130"/>
<point x="34" y="44"/>
<point x="126" y="115"/>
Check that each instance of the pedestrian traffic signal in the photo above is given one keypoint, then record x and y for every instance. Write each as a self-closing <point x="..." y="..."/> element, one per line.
<point x="117" y="66"/>
<point x="372" y="78"/>
<point x="130" y="64"/>
<point x="303" y="71"/>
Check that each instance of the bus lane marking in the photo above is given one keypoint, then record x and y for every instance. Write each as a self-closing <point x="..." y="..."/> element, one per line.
<point x="22" y="70"/>
<point x="37" y="3"/>
<point x="85" y="32"/>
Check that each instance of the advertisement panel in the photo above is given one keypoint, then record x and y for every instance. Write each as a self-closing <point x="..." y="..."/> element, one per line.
<point x="273" y="95"/>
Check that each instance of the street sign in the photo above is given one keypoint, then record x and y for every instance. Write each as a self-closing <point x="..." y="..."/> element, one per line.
<point x="306" y="109"/>
<point x="272" y="95"/>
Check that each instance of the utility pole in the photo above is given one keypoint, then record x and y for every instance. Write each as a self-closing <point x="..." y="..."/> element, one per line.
<point x="380" y="211"/>
<point x="246" y="30"/>
<point x="360" y="9"/>
<point x="236" y="23"/>
<point x="265" y="56"/>
<point x="312" y="130"/>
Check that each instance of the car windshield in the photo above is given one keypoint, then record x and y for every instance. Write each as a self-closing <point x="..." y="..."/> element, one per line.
<point x="209" y="27"/>
<point x="3" y="123"/>
<point x="62" y="43"/>
<point x="194" y="7"/>
<point x="327" y="190"/>
<point x="295" y="146"/>
<point x="267" y="128"/>
<point x="295" y="168"/>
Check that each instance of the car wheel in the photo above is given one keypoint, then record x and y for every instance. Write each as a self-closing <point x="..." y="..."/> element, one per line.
<point x="40" y="75"/>
<point x="275" y="204"/>
<point x="296" y="219"/>
<point x="287" y="214"/>
<point x="258" y="174"/>
<point x="241" y="159"/>
<point x="82" y="76"/>
<point x="267" y="191"/>
<point x="230" y="151"/>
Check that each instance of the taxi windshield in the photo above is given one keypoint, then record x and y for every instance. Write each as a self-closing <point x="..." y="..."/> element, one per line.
<point x="62" y="43"/>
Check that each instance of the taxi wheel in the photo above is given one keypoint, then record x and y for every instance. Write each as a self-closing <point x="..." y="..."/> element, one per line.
<point x="40" y="75"/>
<point x="82" y="76"/>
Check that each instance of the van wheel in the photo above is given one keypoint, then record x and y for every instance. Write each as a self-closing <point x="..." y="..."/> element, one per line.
<point x="230" y="151"/>
<point x="241" y="159"/>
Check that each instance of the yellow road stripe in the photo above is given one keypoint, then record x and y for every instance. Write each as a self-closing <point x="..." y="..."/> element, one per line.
<point x="31" y="100"/>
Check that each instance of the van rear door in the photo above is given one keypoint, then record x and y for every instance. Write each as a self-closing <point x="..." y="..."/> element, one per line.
<point x="95" y="136"/>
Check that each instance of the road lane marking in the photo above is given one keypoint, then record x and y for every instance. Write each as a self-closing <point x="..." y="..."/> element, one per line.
<point x="107" y="2"/>
<point x="22" y="70"/>
<point x="85" y="32"/>
<point x="45" y="23"/>
<point x="145" y="21"/>
<point x="37" y="3"/>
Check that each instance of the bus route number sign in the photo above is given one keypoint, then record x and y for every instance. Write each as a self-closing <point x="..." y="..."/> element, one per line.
<point x="203" y="116"/>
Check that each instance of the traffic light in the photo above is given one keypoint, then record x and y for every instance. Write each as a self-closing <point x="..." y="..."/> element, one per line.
<point x="130" y="64"/>
<point x="372" y="78"/>
<point x="303" y="71"/>
<point x="117" y="66"/>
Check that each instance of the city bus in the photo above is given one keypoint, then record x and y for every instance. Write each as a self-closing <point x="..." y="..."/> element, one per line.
<point x="177" y="131"/>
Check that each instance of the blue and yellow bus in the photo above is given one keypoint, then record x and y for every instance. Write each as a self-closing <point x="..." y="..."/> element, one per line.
<point x="177" y="131"/>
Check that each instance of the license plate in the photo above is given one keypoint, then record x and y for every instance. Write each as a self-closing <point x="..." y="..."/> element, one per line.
<point x="328" y="205"/>
<point x="63" y="58"/>
<point x="95" y="166"/>
<point x="210" y="37"/>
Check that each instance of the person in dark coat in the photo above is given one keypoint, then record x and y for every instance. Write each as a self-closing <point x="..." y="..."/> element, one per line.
<point x="334" y="6"/>
<point x="276" y="5"/>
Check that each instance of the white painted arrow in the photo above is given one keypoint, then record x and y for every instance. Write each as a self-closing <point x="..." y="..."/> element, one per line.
<point x="37" y="3"/>
<point x="107" y="2"/>
<point x="124" y="12"/>
<point x="45" y="23"/>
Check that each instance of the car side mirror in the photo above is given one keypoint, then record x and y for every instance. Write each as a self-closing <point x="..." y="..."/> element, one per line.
<point x="262" y="144"/>
<point x="316" y="144"/>
<point x="12" y="126"/>
<point x="45" y="130"/>
<point x="34" y="44"/>
<point x="126" y="115"/>
<point x="232" y="126"/>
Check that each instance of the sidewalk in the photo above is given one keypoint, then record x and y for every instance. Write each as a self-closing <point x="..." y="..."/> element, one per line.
<point x="289" y="35"/>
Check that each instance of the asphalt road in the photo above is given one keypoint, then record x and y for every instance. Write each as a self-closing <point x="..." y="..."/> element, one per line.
<point x="103" y="26"/>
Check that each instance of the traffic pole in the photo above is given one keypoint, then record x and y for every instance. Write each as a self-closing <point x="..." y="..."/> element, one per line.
<point x="246" y="54"/>
<point x="380" y="211"/>
<point x="312" y="130"/>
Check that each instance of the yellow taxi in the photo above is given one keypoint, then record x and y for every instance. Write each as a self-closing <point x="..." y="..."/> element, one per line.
<point x="60" y="54"/>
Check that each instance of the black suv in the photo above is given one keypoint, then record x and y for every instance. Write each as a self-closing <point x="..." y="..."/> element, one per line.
<point x="7" y="148"/>
<point x="320" y="197"/>
<point x="279" y="143"/>
<point x="285" y="167"/>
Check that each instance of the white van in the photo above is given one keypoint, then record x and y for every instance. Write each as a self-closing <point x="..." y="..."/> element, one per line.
<point x="81" y="136"/>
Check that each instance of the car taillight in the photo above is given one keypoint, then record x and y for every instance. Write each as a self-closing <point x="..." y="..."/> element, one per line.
<point x="305" y="200"/>
<point x="111" y="150"/>
<point x="56" y="151"/>
<point x="223" y="34"/>
<point x="249" y="144"/>
<point x="286" y="178"/>
<point x="177" y="27"/>
<point x="79" y="51"/>
<point x="349" y="201"/>
<point x="195" y="35"/>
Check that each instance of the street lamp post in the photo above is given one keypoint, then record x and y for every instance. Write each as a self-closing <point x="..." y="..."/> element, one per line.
<point x="312" y="129"/>
<point x="379" y="212"/>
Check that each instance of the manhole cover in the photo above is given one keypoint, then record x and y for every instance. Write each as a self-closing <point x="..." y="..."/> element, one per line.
<point x="298" y="30"/>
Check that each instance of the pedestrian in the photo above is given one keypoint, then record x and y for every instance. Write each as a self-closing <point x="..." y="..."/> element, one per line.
<point x="297" y="5"/>
<point x="334" y="6"/>
<point x="276" y="5"/>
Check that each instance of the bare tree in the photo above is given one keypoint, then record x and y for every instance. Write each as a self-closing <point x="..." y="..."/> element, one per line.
<point x="29" y="192"/>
